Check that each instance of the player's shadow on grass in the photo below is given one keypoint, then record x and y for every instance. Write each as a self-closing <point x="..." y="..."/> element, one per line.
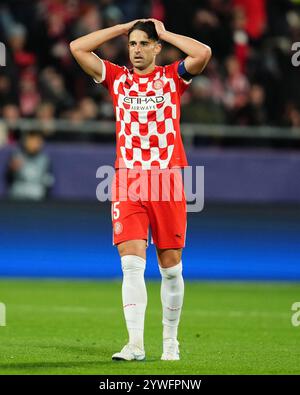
<point x="103" y="353"/>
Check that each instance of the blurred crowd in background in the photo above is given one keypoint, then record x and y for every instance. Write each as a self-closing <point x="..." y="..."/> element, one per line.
<point x="249" y="81"/>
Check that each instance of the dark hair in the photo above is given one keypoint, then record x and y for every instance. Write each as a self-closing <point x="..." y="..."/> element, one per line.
<point x="33" y="133"/>
<point x="147" y="27"/>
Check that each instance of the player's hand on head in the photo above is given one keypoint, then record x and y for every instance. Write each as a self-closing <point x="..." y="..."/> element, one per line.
<point x="127" y="26"/>
<point x="159" y="26"/>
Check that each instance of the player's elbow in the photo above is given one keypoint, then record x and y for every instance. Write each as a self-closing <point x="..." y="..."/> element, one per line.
<point x="207" y="53"/>
<point x="203" y="59"/>
<point x="74" y="47"/>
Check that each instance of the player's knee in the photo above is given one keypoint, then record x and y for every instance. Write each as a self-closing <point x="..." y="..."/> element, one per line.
<point x="169" y="263"/>
<point x="170" y="258"/>
<point x="137" y="248"/>
<point x="132" y="264"/>
<point x="172" y="272"/>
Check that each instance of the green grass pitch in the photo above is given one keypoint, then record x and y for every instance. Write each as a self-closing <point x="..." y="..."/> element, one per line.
<point x="73" y="327"/>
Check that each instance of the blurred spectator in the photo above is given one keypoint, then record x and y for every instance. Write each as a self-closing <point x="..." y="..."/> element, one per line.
<point x="112" y="14"/>
<point x="211" y="24"/>
<point x="250" y="110"/>
<point x="257" y="113"/>
<point x="6" y="92"/>
<point x="74" y="116"/>
<point x="158" y="10"/>
<point x="106" y="111"/>
<point x="88" y="109"/>
<point x="168" y="55"/>
<point x="17" y="41"/>
<point x="90" y="19"/>
<point x="11" y="115"/>
<point x="29" y="95"/>
<point x="292" y="115"/>
<point x="28" y="174"/>
<point x="240" y="37"/>
<point x="110" y="50"/>
<point x="54" y="90"/>
<point x="217" y="83"/>
<point x="203" y="108"/>
<point x="255" y="16"/>
<point x="250" y="39"/>
<point x="46" y="115"/>
<point x="237" y="89"/>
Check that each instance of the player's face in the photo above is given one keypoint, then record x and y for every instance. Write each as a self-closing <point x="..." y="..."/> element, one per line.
<point x="142" y="50"/>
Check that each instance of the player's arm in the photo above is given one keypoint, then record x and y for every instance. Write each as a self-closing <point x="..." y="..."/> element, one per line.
<point x="82" y="48"/>
<point x="198" y="54"/>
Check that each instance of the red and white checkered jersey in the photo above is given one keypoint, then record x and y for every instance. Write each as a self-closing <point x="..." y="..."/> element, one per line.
<point x="147" y="110"/>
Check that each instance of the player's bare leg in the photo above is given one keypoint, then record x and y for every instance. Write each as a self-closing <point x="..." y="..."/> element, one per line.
<point x="134" y="296"/>
<point x="133" y="247"/>
<point x="172" y="293"/>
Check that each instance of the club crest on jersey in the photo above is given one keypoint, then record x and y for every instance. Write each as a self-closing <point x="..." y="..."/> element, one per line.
<point x="118" y="228"/>
<point x="158" y="84"/>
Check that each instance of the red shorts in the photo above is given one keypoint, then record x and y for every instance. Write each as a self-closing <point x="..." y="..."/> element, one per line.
<point x="149" y="197"/>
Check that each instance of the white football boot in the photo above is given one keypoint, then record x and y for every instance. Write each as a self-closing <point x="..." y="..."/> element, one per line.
<point x="170" y="350"/>
<point x="130" y="352"/>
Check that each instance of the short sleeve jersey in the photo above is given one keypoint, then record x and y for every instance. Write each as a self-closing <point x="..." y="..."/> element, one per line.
<point x="147" y="111"/>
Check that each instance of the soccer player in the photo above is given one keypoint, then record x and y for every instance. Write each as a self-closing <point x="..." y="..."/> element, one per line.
<point x="146" y="101"/>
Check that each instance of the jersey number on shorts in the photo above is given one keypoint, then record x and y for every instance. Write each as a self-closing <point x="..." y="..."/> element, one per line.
<point x="115" y="210"/>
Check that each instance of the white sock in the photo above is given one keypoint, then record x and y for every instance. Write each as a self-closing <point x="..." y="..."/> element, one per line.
<point x="134" y="295"/>
<point x="172" y="292"/>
